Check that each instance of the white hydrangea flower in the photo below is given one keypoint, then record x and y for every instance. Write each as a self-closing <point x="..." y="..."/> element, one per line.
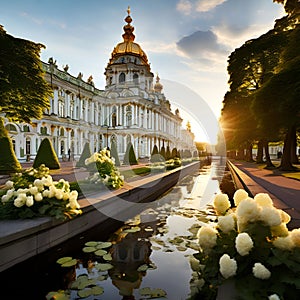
<point x="228" y="266"/>
<point x="270" y="216"/>
<point x="59" y="194"/>
<point x="66" y="196"/>
<point x="74" y="204"/>
<point x="52" y="191"/>
<point x="263" y="199"/>
<point x="295" y="235"/>
<point x="248" y="210"/>
<point x="284" y="243"/>
<point x="280" y="230"/>
<point x="29" y="201"/>
<point x="226" y="223"/>
<point x="285" y="217"/>
<point x="20" y="200"/>
<point x="46" y="193"/>
<point x="243" y="243"/>
<point x="207" y="237"/>
<point x="47" y="180"/>
<point x="33" y="190"/>
<point x="38" y="197"/>
<point x="39" y="184"/>
<point x="221" y="203"/>
<point x="274" y="297"/>
<point x="260" y="271"/>
<point x="239" y="195"/>
<point x="9" y="184"/>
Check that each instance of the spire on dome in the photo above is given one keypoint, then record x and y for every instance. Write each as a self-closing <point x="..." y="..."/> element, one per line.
<point x="158" y="86"/>
<point x="128" y="36"/>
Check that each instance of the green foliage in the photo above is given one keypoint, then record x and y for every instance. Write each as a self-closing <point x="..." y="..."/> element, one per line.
<point x="33" y="193"/>
<point x="86" y="153"/>
<point x="46" y="155"/>
<point x="162" y="152"/>
<point x="24" y="93"/>
<point x="155" y="156"/>
<point x="129" y="157"/>
<point x="8" y="160"/>
<point x="105" y="170"/>
<point x="114" y="153"/>
<point x="168" y="153"/>
<point x="174" y="153"/>
<point x="173" y="163"/>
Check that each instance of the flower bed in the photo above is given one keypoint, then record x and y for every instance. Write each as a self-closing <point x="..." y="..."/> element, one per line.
<point x="103" y="170"/>
<point x="33" y="193"/>
<point x="251" y="244"/>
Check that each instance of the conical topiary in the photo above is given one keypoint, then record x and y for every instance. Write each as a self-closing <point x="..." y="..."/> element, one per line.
<point x="163" y="152"/>
<point x="174" y="153"/>
<point x="86" y="153"/>
<point x="129" y="157"/>
<point x="168" y="153"/>
<point x="8" y="160"/>
<point x="46" y="155"/>
<point x="155" y="156"/>
<point x="114" y="153"/>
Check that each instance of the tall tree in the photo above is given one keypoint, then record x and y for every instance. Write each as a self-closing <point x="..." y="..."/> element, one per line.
<point x="24" y="93"/>
<point x="281" y="91"/>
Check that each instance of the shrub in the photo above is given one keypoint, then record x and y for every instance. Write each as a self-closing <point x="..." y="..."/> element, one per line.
<point x="8" y="160"/>
<point x="46" y="155"/>
<point x="162" y="152"/>
<point x="174" y="153"/>
<point x="129" y="157"/>
<point x="155" y="156"/>
<point x="168" y="153"/>
<point x="114" y="153"/>
<point x="86" y="153"/>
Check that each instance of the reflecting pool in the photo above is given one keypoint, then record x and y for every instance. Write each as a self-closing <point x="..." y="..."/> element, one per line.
<point x="147" y="257"/>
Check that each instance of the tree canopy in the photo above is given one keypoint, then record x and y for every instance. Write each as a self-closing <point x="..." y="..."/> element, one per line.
<point x="24" y="93"/>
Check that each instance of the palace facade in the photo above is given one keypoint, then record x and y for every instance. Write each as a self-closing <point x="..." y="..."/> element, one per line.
<point x="131" y="108"/>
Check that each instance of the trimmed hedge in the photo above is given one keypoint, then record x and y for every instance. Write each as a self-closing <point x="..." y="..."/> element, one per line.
<point x="86" y="153"/>
<point x="129" y="157"/>
<point x="46" y="155"/>
<point x="114" y="153"/>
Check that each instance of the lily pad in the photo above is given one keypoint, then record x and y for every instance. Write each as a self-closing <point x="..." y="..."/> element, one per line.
<point x="156" y="293"/>
<point x="70" y="263"/>
<point x="107" y="256"/>
<point x="59" y="295"/>
<point x="84" y="293"/>
<point x="91" y="244"/>
<point x="97" y="290"/>
<point x="102" y="245"/>
<point x="181" y="248"/>
<point x="100" y="252"/>
<point x="132" y="229"/>
<point x="86" y="282"/>
<point x="142" y="268"/>
<point x="89" y="249"/>
<point x="63" y="260"/>
<point x="102" y="277"/>
<point x="103" y="267"/>
<point x="145" y="291"/>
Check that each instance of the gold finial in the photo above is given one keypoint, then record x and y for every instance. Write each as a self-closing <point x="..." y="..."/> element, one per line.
<point x="128" y="10"/>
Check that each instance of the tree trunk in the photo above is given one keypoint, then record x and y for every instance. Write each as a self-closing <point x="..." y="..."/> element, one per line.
<point x="267" y="154"/>
<point x="249" y="153"/>
<point x="260" y="152"/>
<point x="286" y="160"/>
<point x="294" y="157"/>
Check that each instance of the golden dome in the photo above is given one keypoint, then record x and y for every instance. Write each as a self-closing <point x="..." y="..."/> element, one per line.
<point x="128" y="46"/>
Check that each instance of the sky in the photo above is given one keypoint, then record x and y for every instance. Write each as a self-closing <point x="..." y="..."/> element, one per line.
<point x="187" y="42"/>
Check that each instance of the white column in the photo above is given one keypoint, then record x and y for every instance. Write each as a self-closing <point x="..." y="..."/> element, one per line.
<point x="55" y="108"/>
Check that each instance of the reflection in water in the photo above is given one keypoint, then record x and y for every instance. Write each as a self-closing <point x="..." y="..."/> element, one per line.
<point x="151" y="254"/>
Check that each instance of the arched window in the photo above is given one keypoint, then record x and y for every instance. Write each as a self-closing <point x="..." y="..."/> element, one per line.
<point x="122" y="78"/>
<point x="28" y="146"/>
<point x="114" y="117"/>
<point x="128" y="115"/>
<point x="62" y="132"/>
<point x="135" y="78"/>
<point x="11" y="127"/>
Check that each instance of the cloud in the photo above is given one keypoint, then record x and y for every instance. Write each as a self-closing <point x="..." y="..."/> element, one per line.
<point x="200" y="43"/>
<point x="184" y="6"/>
<point x="207" y="5"/>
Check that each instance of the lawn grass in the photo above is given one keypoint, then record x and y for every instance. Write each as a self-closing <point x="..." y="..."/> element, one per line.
<point x="142" y="171"/>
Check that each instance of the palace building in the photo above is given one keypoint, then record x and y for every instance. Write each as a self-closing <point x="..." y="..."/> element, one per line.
<point x="131" y="108"/>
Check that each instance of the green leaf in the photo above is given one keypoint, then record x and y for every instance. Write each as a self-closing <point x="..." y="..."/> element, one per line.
<point x="70" y="263"/>
<point x="103" y="267"/>
<point x="63" y="260"/>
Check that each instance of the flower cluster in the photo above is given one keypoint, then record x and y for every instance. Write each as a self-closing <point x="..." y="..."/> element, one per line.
<point x="33" y="193"/>
<point x="251" y="242"/>
<point x="104" y="170"/>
